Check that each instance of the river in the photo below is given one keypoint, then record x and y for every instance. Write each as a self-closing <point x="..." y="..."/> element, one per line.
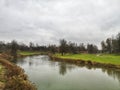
<point x="52" y="75"/>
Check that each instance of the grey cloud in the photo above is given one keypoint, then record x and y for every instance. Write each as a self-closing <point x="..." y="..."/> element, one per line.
<point x="46" y="21"/>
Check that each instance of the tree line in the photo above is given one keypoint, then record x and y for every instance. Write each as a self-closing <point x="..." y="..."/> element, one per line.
<point x="74" y="48"/>
<point x="110" y="45"/>
<point x="64" y="47"/>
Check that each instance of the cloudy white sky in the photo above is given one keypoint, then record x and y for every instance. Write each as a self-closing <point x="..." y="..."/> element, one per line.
<point x="47" y="21"/>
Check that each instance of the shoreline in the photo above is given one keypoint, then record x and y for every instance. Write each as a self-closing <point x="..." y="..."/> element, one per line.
<point x="78" y="61"/>
<point x="30" y="53"/>
<point x="84" y="62"/>
<point x="15" y="77"/>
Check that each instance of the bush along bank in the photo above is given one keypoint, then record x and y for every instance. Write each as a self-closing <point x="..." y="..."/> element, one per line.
<point x="15" y="79"/>
<point x="84" y="62"/>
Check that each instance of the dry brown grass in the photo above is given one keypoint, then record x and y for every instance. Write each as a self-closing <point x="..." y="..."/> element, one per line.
<point x="15" y="77"/>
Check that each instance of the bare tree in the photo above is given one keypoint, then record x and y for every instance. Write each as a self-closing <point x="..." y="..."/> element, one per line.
<point x="63" y="46"/>
<point x="109" y="45"/>
<point x="104" y="47"/>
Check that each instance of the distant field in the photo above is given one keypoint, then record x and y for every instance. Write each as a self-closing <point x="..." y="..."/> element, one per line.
<point x="102" y="58"/>
<point x="25" y="53"/>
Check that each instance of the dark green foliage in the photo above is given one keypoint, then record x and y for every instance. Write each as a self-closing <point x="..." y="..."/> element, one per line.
<point x="2" y="47"/>
<point x="72" y="47"/>
<point x="53" y="49"/>
<point x="115" y="46"/>
<point x="118" y="41"/>
<point x="14" y="48"/>
<point x="104" y="47"/>
<point x="63" y="46"/>
<point x="112" y="45"/>
<point x="23" y="47"/>
<point x="92" y="48"/>
<point x="31" y="46"/>
<point x="81" y="47"/>
<point x="62" y="68"/>
<point x="109" y="45"/>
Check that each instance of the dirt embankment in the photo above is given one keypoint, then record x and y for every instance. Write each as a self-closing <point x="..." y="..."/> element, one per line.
<point x="83" y="62"/>
<point x="14" y="77"/>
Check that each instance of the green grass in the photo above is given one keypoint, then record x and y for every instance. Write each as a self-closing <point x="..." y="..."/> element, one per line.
<point x="103" y="58"/>
<point x="27" y="53"/>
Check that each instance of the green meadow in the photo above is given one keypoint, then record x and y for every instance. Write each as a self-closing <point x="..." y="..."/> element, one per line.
<point x="27" y="53"/>
<point x="102" y="58"/>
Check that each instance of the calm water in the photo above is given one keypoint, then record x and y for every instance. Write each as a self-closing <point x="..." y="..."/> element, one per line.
<point x="50" y="75"/>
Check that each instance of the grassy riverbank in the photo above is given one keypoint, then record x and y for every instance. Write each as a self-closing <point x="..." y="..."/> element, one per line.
<point x="30" y="53"/>
<point x="100" y="58"/>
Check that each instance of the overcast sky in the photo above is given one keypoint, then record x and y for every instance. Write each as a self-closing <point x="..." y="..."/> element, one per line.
<point x="47" y="21"/>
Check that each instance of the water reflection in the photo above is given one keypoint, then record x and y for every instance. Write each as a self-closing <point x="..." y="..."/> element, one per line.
<point x="63" y="67"/>
<point x="113" y="73"/>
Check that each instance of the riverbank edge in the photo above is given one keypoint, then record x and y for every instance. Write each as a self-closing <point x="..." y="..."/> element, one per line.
<point x="84" y="62"/>
<point x="20" y="55"/>
<point x="78" y="61"/>
<point x="15" y="76"/>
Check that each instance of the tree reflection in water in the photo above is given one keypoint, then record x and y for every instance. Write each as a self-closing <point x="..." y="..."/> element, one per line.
<point x="64" y="67"/>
